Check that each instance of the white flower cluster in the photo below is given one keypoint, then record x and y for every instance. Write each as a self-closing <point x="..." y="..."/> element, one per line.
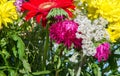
<point x="90" y="32"/>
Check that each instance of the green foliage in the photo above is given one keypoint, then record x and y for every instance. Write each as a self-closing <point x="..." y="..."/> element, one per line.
<point x="20" y="46"/>
<point x="21" y="54"/>
<point x="56" y="12"/>
<point x="26" y="50"/>
<point x="12" y="52"/>
<point x="41" y="72"/>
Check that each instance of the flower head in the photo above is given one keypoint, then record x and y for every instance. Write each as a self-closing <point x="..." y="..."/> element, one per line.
<point x="103" y="51"/>
<point x="64" y="32"/>
<point x="7" y="12"/>
<point x="108" y="9"/>
<point x="114" y="31"/>
<point x="40" y="8"/>
<point x="18" y="4"/>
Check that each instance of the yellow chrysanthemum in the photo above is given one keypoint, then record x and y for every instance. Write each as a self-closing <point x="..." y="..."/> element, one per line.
<point x="108" y="9"/>
<point x="3" y="1"/>
<point x="7" y="12"/>
<point x="114" y="31"/>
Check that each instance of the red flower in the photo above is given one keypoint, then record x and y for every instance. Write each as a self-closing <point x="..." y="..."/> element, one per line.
<point x="40" y="8"/>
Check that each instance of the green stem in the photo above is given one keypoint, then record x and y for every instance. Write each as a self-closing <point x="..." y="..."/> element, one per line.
<point x="57" y="72"/>
<point x="79" y="69"/>
<point x="46" y="46"/>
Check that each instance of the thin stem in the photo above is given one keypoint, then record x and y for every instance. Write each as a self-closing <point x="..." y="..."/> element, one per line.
<point x="79" y="69"/>
<point x="57" y="72"/>
<point x="46" y="46"/>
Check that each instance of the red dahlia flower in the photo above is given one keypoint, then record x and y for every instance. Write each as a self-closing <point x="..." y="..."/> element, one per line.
<point x="64" y="32"/>
<point x="40" y="8"/>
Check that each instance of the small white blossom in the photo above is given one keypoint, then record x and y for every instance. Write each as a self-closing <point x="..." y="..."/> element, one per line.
<point x="74" y="58"/>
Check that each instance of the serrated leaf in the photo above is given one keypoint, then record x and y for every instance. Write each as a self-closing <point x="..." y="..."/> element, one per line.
<point x="20" y="46"/>
<point x="56" y="11"/>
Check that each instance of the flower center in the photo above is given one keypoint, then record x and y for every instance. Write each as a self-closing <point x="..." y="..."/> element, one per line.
<point x="47" y="5"/>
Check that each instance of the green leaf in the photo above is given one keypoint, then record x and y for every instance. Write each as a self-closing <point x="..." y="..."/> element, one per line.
<point x="3" y="42"/>
<point x="20" y="46"/>
<point x="22" y="71"/>
<point x="14" y="51"/>
<point x="2" y="73"/>
<point x="87" y="74"/>
<point x="5" y="53"/>
<point x="27" y="75"/>
<point x="96" y="70"/>
<point x="59" y="63"/>
<point x="26" y="65"/>
<point x="71" y="72"/>
<point x="56" y="11"/>
<point x="55" y="58"/>
<point x="41" y="72"/>
<point x="13" y="73"/>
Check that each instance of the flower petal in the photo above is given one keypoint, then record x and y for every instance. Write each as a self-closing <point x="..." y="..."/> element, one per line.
<point x="31" y="14"/>
<point x="28" y="6"/>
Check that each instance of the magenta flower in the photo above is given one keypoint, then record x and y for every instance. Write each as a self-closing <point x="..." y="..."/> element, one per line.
<point x="103" y="51"/>
<point x="18" y="4"/>
<point x="59" y="17"/>
<point x="64" y="32"/>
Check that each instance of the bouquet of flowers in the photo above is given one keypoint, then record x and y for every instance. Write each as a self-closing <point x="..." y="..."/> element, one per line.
<point x="59" y="38"/>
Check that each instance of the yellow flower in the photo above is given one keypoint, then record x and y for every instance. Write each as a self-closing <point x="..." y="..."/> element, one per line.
<point x="3" y="1"/>
<point x="114" y="31"/>
<point x="7" y="12"/>
<point x="108" y="9"/>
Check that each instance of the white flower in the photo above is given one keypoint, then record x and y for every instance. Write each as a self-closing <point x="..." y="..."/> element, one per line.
<point x="74" y="58"/>
<point x="90" y="32"/>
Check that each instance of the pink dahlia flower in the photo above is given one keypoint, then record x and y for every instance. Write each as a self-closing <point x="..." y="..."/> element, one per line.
<point x="64" y="32"/>
<point x="103" y="51"/>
